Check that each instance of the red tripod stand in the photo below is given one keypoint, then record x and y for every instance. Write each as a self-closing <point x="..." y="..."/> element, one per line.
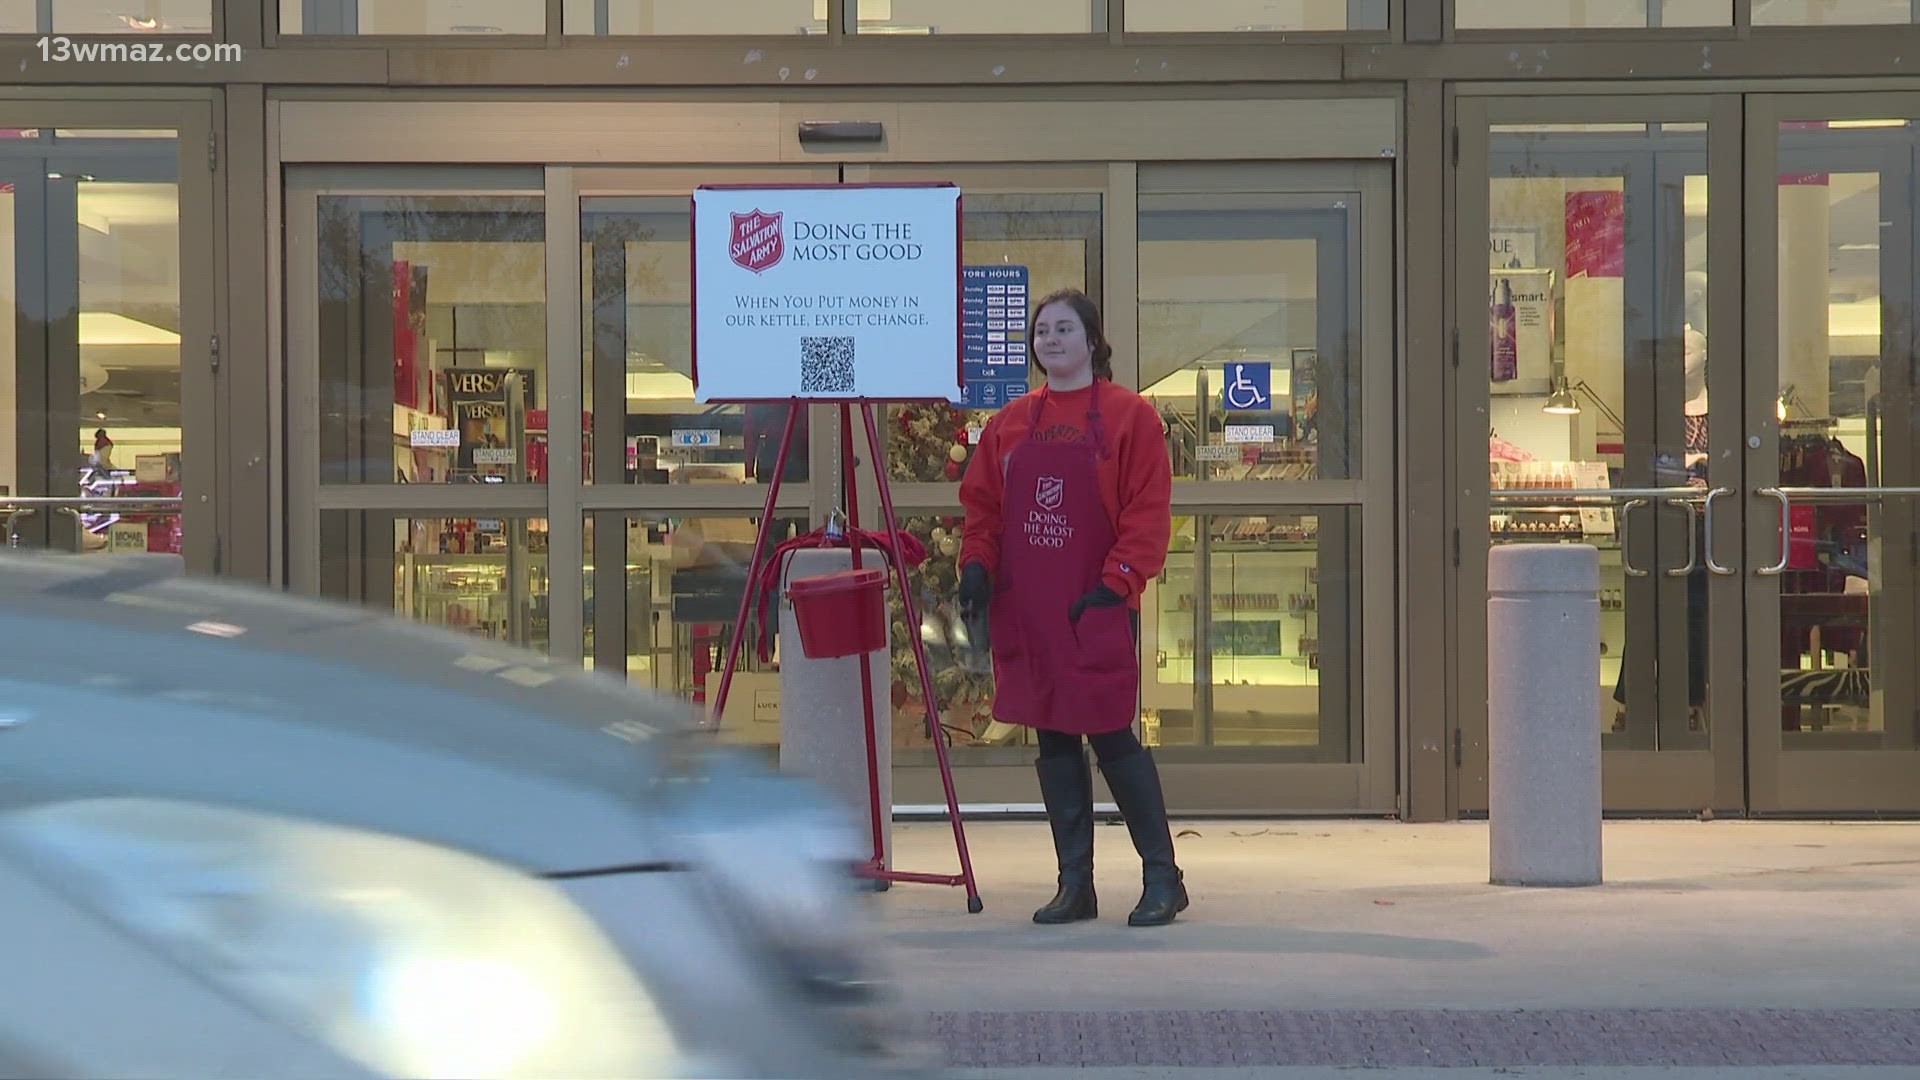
<point x="875" y="868"/>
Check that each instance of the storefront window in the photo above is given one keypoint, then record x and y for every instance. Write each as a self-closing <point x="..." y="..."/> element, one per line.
<point x="1044" y="242"/>
<point x="1598" y="379"/>
<point x="1247" y="338"/>
<point x="1592" y="14"/>
<point x="914" y="17"/>
<point x="1831" y="12"/>
<point x="669" y="619"/>
<point x="90" y="363"/>
<point x="432" y="340"/>
<point x="1255" y="16"/>
<point x="909" y="17"/>
<point x="1251" y="637"/>
<point x="93" y="17"/>
<point x="1848" y="609"/>
<point x="484" y="576"/>
<point x="129" y="379"/>
<point x="637" y="282"/>
<point x="434" y="18"/>
<point x="690" y="17"/>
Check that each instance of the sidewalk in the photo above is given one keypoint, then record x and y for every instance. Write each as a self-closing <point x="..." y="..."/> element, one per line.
<point x="1725" y="946"/>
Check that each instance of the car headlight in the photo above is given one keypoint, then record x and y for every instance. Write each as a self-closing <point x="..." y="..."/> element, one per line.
<point x="793" y="899"/>
<point x="776" y="859"/>
<point x="410" y="958"/>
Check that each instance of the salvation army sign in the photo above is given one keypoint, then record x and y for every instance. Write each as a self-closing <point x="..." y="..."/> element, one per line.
<point x="835" y="292"/>
<point x="756" y="243"/>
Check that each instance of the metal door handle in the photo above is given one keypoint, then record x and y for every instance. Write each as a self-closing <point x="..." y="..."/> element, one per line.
<point x="1706" y="541"/>
<point x="1693" y="557"/>
<point x="1626" y="558"/>
<point x="1786" y="532"/>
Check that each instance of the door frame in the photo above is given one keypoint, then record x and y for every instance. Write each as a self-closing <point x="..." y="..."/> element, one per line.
<point x="201" y="238"/>
<point x="565" y="143"/>
<point x="1811" y="781"/>
<point x="1635" y="781"/>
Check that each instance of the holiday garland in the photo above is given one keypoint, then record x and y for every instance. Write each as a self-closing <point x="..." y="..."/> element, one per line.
<point x="929" y="444"/>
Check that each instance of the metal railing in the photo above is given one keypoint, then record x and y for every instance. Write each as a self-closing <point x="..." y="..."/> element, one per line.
<point x="1631" y="499"/>
<point x="15" y="507"/>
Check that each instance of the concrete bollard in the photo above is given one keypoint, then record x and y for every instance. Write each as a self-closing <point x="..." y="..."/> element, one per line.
<point x="1543" y="708"/>
<point x="822" y="725"/>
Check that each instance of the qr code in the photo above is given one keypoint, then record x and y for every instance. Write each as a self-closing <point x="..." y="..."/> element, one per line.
<point x="826" y="365"/>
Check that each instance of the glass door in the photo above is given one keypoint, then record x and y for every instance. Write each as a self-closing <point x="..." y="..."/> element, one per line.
<point x="673" y="490"/>
<point x="94" y="445"/>
<point x="1259" y="344"/>
<point x="1834" y="474"/>
<point x="1586" y="368"/>
<point x="417" y="317"/>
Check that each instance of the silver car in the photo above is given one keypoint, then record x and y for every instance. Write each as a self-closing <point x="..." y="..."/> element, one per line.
<point x="244" y="835"/>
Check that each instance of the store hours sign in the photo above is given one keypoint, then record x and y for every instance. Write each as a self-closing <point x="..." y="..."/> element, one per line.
<point x="832" y="292"/>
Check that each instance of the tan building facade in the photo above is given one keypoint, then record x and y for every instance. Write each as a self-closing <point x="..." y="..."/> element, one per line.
<point x="389" y="302"/>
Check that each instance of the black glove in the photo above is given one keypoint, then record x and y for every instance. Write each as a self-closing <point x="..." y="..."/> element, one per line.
<point x="976" y="592"/>
<point x="1100" y="596"/>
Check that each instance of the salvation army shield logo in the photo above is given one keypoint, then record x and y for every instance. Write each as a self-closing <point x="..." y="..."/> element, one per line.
<point x="756" y="243"/>
<point x="1052" y="489"/>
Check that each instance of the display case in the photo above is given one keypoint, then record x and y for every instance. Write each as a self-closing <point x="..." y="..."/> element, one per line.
<point x="1577" y="520"/>
<point x="497" y="590"/>
<point x="1254" y="641"/>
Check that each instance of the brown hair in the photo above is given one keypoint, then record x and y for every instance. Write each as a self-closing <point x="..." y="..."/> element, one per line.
<point x="1089" y="313"/>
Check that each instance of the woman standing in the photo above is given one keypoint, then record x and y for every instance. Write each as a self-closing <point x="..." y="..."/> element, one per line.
<point x="1068" y="515"/>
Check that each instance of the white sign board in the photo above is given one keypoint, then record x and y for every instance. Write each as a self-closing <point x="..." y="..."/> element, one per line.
<point x="1249" y="433"/>
<point x="696" y="436"/>
<point x="445" y="438"/>
<point x="835" y="292"/>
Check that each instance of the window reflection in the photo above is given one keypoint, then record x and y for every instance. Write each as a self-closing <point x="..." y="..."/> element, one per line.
<point x="426" y="18"/>
<point x="1244" y="335"/>
<point x="1251" y="637"/>
<point x="690" y="17"/>
<point x="664" y="612"/>
<point x="483" y="576"/>
<point x="93" y="17"/>
<point x="1592" y="14"/>
<point x="1255" y="16"/>
<point x="129" y="379"/>
<point x="1847" y="591"/>
<point x="433" y="340"/>
<point x="1598" y="375"/>
<point x="637" y="281"/>
<point x="1830" y="12"/>
<point x="916" y="17"/>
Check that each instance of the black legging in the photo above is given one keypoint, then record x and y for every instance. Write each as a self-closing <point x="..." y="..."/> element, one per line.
<point x="1108" y="746"/>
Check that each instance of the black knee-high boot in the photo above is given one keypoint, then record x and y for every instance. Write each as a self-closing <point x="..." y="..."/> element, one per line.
<point x="1135" y="783"/>
<point x="1066" y="786"/>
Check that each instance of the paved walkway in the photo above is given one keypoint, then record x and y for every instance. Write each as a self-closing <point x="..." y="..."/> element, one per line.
<point x="1728" y="947"/>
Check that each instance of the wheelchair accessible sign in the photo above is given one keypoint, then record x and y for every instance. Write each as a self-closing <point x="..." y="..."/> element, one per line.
<point x="1248" y="388"/>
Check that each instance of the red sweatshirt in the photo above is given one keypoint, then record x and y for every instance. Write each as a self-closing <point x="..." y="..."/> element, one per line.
<point x="1136" y="479"/>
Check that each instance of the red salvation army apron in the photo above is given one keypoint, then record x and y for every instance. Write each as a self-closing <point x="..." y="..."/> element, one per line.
<point x="1081" y="677"/>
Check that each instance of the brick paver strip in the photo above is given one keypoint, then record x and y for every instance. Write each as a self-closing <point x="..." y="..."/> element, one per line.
<point x="1438" y="1038"/>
